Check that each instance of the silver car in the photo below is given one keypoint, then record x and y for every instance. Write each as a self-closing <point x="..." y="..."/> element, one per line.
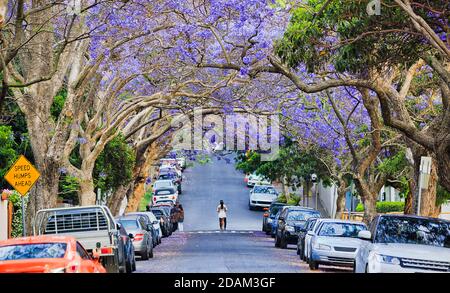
<point x="155" y="222"/>
<point x="142" y="239"/>
<point x="335" y="242"/>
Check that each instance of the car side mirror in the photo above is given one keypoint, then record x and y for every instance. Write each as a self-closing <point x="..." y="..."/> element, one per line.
<point x="365" y="235"/>
<point x="131" y="236"/>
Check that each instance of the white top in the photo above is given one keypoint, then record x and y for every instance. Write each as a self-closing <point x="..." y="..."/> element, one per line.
<point x="222" y="212"/>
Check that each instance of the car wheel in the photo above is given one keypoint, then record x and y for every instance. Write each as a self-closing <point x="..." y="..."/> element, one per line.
<point x="302" y="254"/>
<point x="151" y="253"/>
<point x="250" y="206"/>
<point x="277" y="241"/>
<point x="354" y="267"/>
<point x="313" y="265"/>
<point x="283" y="243"/>
<point x="144" y="254"/>
<point x="367" y="269"/>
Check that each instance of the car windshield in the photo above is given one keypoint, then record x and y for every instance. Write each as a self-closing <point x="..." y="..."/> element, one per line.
<point x="157" y="213"/>
<point x="29" y="251"/>
<point x="301" y="215"/>
<point x="164" y="192"/>
<point x="129" y="224"/>
<point x="160" y="184"/>
<point x="274" y="209"/>
<point x="413" y="231"/>
<point x="166" y="176"/>
<point x="341" y="229"/>
<point x="265" y="189"/>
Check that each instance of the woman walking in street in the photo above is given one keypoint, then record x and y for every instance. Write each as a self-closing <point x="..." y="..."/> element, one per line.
<point x="222" y="211"/>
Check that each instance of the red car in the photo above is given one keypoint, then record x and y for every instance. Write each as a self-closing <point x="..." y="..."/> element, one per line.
<point x="46" y="254"/>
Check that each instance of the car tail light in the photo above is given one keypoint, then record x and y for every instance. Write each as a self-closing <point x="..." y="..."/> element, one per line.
<point x="138" y="237"/>
<point x="154" y="198"/>
<point x="266" y="215"/>
<point x="106" y="250"/>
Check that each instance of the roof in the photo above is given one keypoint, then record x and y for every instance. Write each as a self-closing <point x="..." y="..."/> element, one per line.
<point x="37" y="239"/>
<point x="322" y="220"/>
<point x="300" y="208"/>
<point x="414" y="217"/>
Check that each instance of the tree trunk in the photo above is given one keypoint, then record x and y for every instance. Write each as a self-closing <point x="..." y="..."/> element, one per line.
<point x="341" y="196"/>
<point x="87" y="193"/>
<point x="428" y="198"/>
<point x="116" y="199"/>
<point x="409" y="210"/>
<point x="44" y="194"/>
<point x="369" y="199"/>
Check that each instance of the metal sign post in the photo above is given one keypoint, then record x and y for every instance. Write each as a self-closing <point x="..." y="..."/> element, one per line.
<point x="424" y="177"/>
<point x="24" y="228"/>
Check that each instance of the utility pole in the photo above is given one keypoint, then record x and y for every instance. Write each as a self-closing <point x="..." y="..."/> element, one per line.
<point x="424" y="177"/>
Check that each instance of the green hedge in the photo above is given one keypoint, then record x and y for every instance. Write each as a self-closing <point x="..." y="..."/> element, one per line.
<point x="385" y="207"/>
<point x="293" y="199"/>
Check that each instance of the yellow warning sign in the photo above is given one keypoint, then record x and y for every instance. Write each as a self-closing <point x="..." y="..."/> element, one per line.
<point x="22" y="175"/>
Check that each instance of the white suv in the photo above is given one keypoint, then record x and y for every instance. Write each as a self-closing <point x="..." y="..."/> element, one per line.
<point x="404" y="244"/>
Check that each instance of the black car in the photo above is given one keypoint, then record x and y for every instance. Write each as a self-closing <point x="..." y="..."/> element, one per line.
<point x="172" y="212"/>
<point x="128" y="248"/>
<point x="301" y="236"/>
<point x="269" y="216"/>
<point x="164" y="218"/>
<point x="291" y="220"/>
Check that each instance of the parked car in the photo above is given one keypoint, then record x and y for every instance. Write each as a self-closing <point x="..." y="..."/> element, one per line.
<point x="290" y="221"/>
<point x="262" y="196"/>
<point x="93" y="226"/>
<point x="161" y="184"/>
<point x="269" y="216"/>
<point x="181" y="162"/>
<point x="302" y="235"/>
<point x="254" y="179"/>
<point x="170" y="168"/>
<point x="47" y="254"/>
<point x="171" y="176"/>
<point x="164" y="220"/>
<point x="308" y="237"/>
<point x="404" y="244"/>
<point x="165" y="194"/>
<point x="275" y="224"/>
<point x="152" y="220"/>
<point x="172" y="212"/>
<point x="142" y="239"/>
<point x="130" y="257"/>
<point x="335" y="243"/>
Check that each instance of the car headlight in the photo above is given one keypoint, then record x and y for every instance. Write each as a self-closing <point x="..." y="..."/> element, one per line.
<point x="387" y="259"/>
<point x="320" y="246"/>
<point x="290" y="228"/>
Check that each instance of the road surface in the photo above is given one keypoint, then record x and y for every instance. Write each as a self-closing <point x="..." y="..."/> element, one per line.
<point x="202" y="248"/>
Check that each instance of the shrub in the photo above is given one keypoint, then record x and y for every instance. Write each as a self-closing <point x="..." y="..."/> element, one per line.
<point x="385" y="207"/>
<point x="293" y="199"/>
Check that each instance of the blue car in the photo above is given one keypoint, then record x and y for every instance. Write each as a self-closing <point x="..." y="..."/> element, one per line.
<point x="275" y="224"/>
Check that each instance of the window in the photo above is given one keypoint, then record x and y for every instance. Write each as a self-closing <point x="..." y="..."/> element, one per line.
<point x="129" y="224"/>
<point x="32" y="251"/>
<point x="413" y="231"/>
<point x="336" y="229"/>
<point x="294" y="215"/>
<point x="81" y="252"/>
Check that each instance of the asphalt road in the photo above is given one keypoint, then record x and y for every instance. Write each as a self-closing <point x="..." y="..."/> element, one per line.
<point x="202" y="248"/>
